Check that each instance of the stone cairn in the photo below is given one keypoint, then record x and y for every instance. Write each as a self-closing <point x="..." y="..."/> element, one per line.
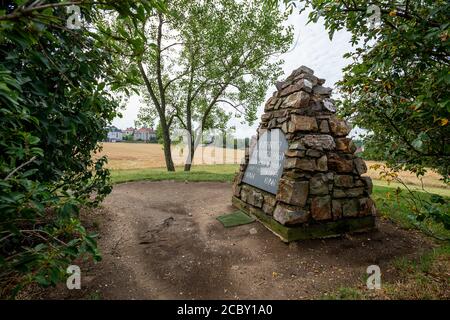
<point x="321" y="191"/>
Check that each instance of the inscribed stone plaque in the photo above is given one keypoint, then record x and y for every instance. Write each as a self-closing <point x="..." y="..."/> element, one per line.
<point x="266" y="161"/>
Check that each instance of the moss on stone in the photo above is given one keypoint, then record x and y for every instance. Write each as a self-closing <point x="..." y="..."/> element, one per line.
<point x="310" y="231"/>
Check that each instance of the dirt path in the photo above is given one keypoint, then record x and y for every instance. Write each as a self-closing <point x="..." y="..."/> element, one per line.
<point x="160" y="240"/>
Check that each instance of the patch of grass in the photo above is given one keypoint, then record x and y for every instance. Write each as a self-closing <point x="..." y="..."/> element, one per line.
<point x="396" y="207"/>
<point x="221" y="173"/>
<point x="444" y="191"/>
<point x="345" y="293"/>
<point x="427" y="277"/>
<point x="425" y="263"/>
<point x="95" y="295"/>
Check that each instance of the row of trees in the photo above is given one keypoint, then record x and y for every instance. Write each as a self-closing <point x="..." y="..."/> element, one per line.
<point x="199" y="63"/>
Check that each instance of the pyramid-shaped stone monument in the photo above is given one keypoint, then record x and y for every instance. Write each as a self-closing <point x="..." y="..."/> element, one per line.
<point x="300" y="177"/>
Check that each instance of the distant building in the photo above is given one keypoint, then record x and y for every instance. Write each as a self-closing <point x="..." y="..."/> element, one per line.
<point x="114" y="134"/>
<point x="145" y="134"/>
<point x="128" y="131"/>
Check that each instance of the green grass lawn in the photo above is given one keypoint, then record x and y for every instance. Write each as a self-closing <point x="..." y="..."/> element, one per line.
<point x="223" y="173"/>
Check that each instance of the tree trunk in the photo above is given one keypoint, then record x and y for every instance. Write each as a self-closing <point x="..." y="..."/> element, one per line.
<point x="188" y="164"/>
<point x="167" y="144"/>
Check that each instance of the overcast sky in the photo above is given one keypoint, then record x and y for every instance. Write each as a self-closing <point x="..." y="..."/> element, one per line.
<point x="311" y="47"/>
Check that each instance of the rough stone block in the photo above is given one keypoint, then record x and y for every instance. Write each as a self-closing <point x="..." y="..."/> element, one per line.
<point x="302" y="123"/>
<point x="295" y="153"/>
<point x="308" y="76"/>
<point x="367" y="207"/>
<point x="368" y="184"/>
<point x="306" y="164"/>
<point x="297" y="145"/>
<point x="339" y="193"/>
<point x="338" y="164"/>
<point x="244" y="194"/>
<point x="270" y="104"/>
<point x="269" y="204"/>
<point x="354" y="192"/>
<point x="343" y="181"/>
<point x="300" y="85"/>
<point x="345" y="145"/>
<point x="339" y="127"/>
<point x="265" y="117"/>
<point x="318" y="184"/>
<point x="324" y="127"/>
<point x="236" y="190"/>
<point x="255" y="198"/>
<point x="293" y="192"/>
<point x="328" y="104"/>
<point x="348" y="193"/>
<point x="321" y="208"/>
<point x="322" y="164"/>
<point x="296" y="100"/>
<point x="313" y="153"/>
<point x="323" y="91"/>
<point x="299" y="163"/>
<point x="318" y="141"/>
<point x="302" y="69"/>
<point x="287" y="216"/>
<point x="350" y="208"/>
<point x="360" y="166"/>
<point x="336" y="209"/>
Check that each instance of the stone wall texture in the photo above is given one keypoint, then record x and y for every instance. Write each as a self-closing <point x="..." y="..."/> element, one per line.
<point x="321" y="178"/>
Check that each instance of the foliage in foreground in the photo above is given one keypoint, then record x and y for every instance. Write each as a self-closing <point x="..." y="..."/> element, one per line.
<point x="397" y="83"/>
<point x="200" y="63"/>
<point x="54" y="105"/>
<point x="421" y="207"/>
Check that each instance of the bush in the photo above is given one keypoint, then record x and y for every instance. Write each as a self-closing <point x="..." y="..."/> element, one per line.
<point x="53" y="108"/>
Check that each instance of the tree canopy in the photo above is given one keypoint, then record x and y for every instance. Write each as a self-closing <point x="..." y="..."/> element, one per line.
<point x="202" y="62"/>
<point x="397" y="84"/>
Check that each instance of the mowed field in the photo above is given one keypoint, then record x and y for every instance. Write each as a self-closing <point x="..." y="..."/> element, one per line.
<point x="124" y="156"/>
<point x="151" y="155"/>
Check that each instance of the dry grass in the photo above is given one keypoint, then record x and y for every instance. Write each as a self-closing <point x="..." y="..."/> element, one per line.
<point x="124" y="156"/>
<point x="150" y="155"/>
<point x="419" y="279"/>
<point x="431" y="179"/>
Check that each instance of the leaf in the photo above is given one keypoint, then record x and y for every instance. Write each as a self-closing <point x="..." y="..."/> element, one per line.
<point x="42" y="280"/>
